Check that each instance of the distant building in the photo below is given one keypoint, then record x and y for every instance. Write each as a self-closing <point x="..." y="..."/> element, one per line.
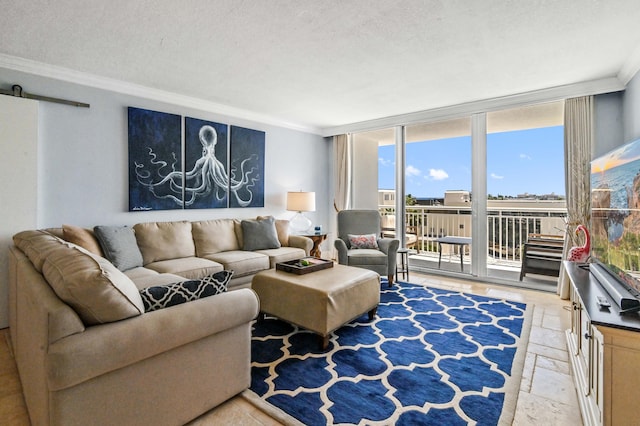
<point x="527" y="196"/>
<point x="386" y="197"/>
<point x="462" y="198"/>
<point x="457" y="198"/>
<point x="429" y="201"/>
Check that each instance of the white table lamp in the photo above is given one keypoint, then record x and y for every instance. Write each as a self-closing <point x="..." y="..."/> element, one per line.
<point x="300" y="202"/>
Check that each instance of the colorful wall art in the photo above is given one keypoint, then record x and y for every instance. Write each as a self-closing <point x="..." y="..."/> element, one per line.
<point x="222" y="167"/>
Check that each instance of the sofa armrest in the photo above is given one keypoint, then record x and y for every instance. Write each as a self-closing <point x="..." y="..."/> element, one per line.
<point x="341" y="247"/>
<point x="305" y="243"/>
<point x="108" y="347"/>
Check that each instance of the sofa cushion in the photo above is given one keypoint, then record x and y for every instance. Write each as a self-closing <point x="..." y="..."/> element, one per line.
<point x="91" y="285"/>
<point x="366" y="241"/>
<point x="163" y="296"/>
<point x="190" y="268"/>
<point x="282" y="229"/>
<point x="119" y="246"/>
<point x="282" y="254"/>
<point x="214" y="236"/>
<point x="238" y="228"/>
<point x="366" y="257"/>
<point x="164" y="240"/>
<point x="82" y="237"/>
<point x="157" y="279"/>
<point x="259" y="234"/>
<point x="36" y="245"/>
<point x="241" y="262"/>
<point x="143" y="277"/>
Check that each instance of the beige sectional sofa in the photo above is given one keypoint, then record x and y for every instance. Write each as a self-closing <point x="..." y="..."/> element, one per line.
<point x="86" y="351"/>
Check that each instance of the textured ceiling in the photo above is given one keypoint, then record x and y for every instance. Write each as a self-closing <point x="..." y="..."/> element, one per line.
<point x="327" y="63"/>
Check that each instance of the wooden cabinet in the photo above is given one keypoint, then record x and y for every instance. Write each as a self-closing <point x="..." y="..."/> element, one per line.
<point x="604" y="351"/>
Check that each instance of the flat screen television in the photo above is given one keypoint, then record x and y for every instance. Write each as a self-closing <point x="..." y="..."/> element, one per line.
<point x="615" y="221"/>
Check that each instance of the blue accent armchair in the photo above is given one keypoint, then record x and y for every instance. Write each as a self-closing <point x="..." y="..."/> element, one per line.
<point x="382" y="260"/>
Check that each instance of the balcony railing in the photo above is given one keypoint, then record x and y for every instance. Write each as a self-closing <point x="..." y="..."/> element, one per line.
<point x="507" y="227"/>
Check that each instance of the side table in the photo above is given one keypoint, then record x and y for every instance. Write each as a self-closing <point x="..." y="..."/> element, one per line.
<point x="461" y="242"/>
<point x="317" y="240"/>
<point x="403" y="267"/>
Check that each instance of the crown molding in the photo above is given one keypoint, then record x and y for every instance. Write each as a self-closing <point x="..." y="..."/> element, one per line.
<point x="104" y="83"/>
<point x="593" y="87"/>
<point x="631" y="67"/>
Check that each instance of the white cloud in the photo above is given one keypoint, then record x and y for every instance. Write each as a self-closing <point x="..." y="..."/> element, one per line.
<point x="412" y="171"/>
<point x="525" y="157"/>
<point x="438" y="174"/>
<point x="495" y="176"/>
<point x="384" y="162"/>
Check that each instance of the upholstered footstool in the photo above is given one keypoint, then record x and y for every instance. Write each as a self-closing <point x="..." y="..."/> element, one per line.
<point x="319" y="301"/>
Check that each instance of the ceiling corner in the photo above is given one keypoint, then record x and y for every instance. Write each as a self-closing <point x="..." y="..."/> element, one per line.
<point x="631" y="67"/>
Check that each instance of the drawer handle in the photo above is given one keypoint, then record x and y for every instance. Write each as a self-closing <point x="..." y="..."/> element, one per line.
<point x="587" y="336"/>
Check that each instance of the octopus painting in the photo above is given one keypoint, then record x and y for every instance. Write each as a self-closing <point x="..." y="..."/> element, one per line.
<point x="157" y="180"/>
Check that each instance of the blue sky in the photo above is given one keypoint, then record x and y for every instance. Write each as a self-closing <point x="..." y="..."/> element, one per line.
<point x="517" y="162"/>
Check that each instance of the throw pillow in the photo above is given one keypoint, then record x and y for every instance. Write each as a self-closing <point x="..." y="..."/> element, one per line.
<point x="119" y="246"/>
<point x="163" y="296"/>
<point x="366" y="241"/>
<point x="282" y="229"/>
<point x="259" y="234"/>
<point x="82" y="237"/>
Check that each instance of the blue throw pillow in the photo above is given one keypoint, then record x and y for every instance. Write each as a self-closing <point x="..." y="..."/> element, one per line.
<point x="119" y="246"/>
<point x="163" y="296"/>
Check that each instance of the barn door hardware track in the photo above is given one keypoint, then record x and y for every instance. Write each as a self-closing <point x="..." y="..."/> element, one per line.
<point x="16" y="90"/>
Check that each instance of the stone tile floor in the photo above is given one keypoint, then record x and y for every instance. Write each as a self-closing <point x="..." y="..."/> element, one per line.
<point x="547" y="395"/>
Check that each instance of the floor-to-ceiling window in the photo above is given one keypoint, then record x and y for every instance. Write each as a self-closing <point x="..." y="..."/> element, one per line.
<point x="524" y="149"/>
<point x="525" y="182"/>
<point x="438" y="193"/>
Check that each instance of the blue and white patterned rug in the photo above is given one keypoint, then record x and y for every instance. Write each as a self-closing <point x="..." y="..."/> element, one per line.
<point x="430" y="357"/>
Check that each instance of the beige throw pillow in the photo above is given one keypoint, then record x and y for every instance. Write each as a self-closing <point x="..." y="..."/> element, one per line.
<point x="82" y="237"/>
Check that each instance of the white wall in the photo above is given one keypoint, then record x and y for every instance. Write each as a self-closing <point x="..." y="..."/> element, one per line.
<point x="365" y="174"/>
<point x="19" y="177"/>
<point x="608" y="128"/>
<point x="83" y="160"/>
<point x="631" y="109"/>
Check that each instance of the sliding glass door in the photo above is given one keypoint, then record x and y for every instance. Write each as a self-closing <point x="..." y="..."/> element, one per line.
<point x="525" y="184"/>
<point x="473" y="188"/>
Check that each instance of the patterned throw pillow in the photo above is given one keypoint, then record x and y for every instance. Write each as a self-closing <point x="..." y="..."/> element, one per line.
<point x="367" y="241"/>
<point x="163" y="296"/>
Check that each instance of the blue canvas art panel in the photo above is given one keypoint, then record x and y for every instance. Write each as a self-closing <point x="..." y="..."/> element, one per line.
<point x="155" y="160"/>
<point x="206" y="164"/>
<point x="246" y="167"/>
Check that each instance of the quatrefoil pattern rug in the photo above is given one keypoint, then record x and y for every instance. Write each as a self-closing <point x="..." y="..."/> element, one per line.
<point x="431" y="357"/>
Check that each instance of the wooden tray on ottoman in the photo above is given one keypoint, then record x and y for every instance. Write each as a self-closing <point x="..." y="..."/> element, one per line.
<point x="295" y="267"/>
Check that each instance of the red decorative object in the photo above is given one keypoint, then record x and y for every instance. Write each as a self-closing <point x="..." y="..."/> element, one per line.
<point x="581" y="254"/>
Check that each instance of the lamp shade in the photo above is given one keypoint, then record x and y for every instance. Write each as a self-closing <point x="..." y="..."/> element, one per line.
<point x="301" y="201"/>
